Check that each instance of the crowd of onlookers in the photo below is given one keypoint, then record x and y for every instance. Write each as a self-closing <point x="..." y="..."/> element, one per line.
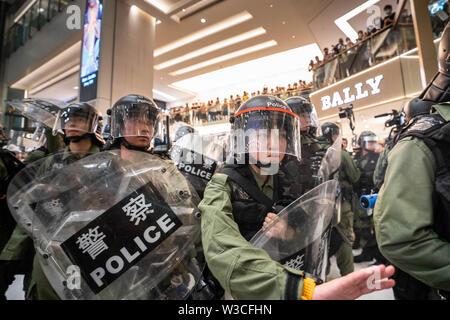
<point x="222" y="109"/>
<point x="342" y="46"/>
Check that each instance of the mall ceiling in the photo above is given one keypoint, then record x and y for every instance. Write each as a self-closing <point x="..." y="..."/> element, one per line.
<point x="236" y="31"/>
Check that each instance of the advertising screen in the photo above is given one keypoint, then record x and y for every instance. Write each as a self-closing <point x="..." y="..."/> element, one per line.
<point x="90" y="52"/>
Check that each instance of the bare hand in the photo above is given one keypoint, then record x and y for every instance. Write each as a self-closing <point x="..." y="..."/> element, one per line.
<point x="356" y="284"/>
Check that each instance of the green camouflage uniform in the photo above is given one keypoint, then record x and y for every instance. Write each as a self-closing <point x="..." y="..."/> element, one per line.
<point x="244" y="271"/>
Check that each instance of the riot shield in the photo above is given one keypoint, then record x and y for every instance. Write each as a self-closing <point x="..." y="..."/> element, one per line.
<point x="331" y="162"/>
<point x="197" y="157"/>
<point x="22" y="141"/>
<point x="44" y="111"/>
<point x="299" y="237"/>
<point x="105" y="227"/>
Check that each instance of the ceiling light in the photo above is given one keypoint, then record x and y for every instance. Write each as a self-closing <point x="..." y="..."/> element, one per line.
<point x="76" y="88"/>
<point x="134" y="9"/>
<point x="158" y="21"/>
<point x="224" y="24"/>
<point x="225" y="57"/>
<point x="184" y="10"/>
<point x="216" y="46"/>
<point x="59" y="77"/>
<point x="160" y="5"/>
<point x="272" y="70"/>
<point x="202" y="20"/>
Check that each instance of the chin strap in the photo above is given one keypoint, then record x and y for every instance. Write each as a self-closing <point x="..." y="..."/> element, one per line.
<point x="127" y="145"/>
<point x="259" y="164"/>
<point x="76" y="139"/>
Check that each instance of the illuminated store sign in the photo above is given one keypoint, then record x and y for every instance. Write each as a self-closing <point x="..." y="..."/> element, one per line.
<point x="360" y="90"/>
<point x="90" y="50"/>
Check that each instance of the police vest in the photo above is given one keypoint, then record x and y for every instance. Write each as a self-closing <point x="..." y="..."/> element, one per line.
<point x="365" y="184"/>
<point x="248" y="212"/>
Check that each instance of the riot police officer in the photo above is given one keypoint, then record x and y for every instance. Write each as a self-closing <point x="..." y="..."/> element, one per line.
<point x="366" y="161"/>
<point x="134" y="120"/>
<point x="348" y="175"/>
<point x="82" y="127"/>
<point x="241" y="199"/>
<point x="304" y="171"/>
<point x="411" y="217"/>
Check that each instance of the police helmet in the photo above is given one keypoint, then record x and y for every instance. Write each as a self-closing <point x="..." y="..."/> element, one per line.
<point x="260" y="120"/>
<point x="85" y="118"/>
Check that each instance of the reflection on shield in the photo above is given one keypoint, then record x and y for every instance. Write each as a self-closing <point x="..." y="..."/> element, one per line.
<point x="131" y="227"/>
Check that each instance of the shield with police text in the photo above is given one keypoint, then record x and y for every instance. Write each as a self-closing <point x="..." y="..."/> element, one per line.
<point x="114" y="225"/>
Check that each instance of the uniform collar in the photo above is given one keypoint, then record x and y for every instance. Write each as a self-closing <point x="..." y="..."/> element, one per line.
<point x="94" y="149"/>
<point x="260" y="182"/>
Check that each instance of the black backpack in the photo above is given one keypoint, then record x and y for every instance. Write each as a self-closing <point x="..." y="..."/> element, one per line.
<point x="437" y="139"/>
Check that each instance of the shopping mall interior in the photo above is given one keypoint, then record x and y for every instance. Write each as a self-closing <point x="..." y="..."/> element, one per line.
<point x="357" y="62"/>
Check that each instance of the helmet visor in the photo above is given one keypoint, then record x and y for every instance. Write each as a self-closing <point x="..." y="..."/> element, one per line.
<point x="370" y="143"/>
<point x="138" y="120"/>
<point x="75" y="120"/>
<point x="308" y="118"/>
<point x="266" y="135"/>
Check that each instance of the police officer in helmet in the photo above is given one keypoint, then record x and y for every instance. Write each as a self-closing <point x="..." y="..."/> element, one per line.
<point x="342" y="235"/>
<point x="242" y="198"/>
<point x="304" y="171"/>
<point x="366" y="161"/>
<point x="134" y="120"/>
<point x="412" y="221"/>
<point x="82" y="126"/>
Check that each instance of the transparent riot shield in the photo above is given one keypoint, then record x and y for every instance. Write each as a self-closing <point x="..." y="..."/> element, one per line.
<point x="44" y="111"/>
<point x="300" y="236"/>
<point x="22" y="141"/>
<point x="197" y="157"/>
<point x="105" y="227"/>
<point x="331" y="162"/>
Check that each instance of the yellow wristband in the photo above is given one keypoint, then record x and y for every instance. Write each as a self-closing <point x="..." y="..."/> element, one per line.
<point x="308" y="288"/>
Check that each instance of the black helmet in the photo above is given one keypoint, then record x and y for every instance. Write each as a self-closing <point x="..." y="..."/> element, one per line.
<point x="299" y="105"/>
<point x="330" y="129"/>
<point x="134" y="107"/>
<point x="365" y="137"/>
<point x="438" y="90"/>
<point x="416" y="107"/>
<point x="256" y="120"/>
<point x="181" y="129"/>
<point x="92" y="125"/>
